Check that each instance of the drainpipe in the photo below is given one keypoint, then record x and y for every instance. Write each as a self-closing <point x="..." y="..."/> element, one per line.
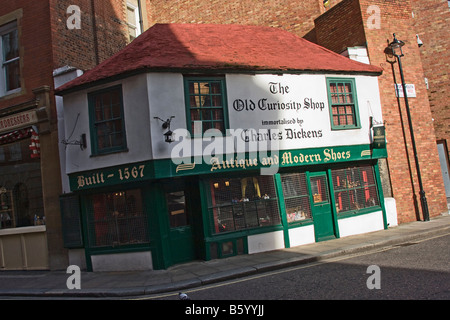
<point x="141" y="22"/>
<point x="94" y="30"/>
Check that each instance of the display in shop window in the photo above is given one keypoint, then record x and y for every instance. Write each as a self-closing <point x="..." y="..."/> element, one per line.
<point x="117" y="219"/>
<point x="354" y="189"/>
<point x="296" y="197"/>
<point x="243" y="203"/>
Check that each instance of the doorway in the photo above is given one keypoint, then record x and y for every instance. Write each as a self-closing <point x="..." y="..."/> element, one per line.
<point x="180" y="230"/>
<point x="322" y="214"/>
<point x="443" y="159"/>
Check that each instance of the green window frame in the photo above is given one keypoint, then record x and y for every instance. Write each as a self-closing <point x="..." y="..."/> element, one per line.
<point x="107" y="123"/>
<point x="343" y="101"/>
<point x="206" y="104"/>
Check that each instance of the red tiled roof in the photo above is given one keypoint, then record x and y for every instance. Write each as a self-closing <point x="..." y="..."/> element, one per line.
<point x="201" y="47"/>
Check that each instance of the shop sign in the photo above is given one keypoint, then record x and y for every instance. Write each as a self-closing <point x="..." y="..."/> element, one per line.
<point x="19" y="120"/>
<point x="166" y="168"/>
<point x="108" y="176"/>
<point x="280" y="159"/>
<point x="293" y="111"/>
<point x="379" y="137"/>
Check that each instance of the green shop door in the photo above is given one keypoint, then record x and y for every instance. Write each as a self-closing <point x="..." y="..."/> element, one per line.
<point x="321" y="206"/>
<point x="180" y="234"/>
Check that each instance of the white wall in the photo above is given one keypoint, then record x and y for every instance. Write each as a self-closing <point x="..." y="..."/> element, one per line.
<point x="146" y="96"/>
<point x="361" y="224"/>
<point x="301" y="89"/>
<point x="136" y="114"/>
<point x="301" y="235"/>
<point x="265" y="242"/>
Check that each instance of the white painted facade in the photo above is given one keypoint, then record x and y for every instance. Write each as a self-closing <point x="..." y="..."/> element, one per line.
<point x="250" y="100"/>
<point x="146" y="96"/>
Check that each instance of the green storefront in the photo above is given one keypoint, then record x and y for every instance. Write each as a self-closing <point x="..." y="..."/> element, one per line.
<point x="197" y="210"/>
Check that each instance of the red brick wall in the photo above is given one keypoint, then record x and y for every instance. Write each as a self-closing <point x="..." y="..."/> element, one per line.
<point x="396" y="18"/>
<point x="100" y="36"/>
<point x="35" y="48"/>
<point x="329" y="30"/>
<point x="294" y="16"/>
<point x="431" y="21"/>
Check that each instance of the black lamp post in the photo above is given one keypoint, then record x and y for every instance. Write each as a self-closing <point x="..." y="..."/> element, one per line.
<point x="396" y="47"/>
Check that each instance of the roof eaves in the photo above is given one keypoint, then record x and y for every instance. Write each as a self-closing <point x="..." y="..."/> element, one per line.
<point x="232" y="69"/>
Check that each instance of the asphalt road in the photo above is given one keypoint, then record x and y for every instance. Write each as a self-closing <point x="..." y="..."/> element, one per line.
<point x="411" y="271"/>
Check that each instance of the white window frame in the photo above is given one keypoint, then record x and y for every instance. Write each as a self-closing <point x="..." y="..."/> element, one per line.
<point x="136" y="25"/>
<point x="5" y="29"/>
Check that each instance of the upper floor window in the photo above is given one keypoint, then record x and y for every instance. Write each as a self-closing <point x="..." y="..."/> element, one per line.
<point x="134" y="28"/>
<point x="343" y="103"/>
<point x="10" y="59"/>
<point x="107" y="121"/>
<point x="205" y="105"/>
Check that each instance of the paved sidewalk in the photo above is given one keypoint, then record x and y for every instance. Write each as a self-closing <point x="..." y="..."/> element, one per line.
<point x="198" y="273"/>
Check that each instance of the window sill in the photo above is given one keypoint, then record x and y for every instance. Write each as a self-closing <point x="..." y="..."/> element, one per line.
<point x="355" y="213"/>
<point x="106" y="153"/>
<point x="11" y="94"/>
<point x="346" y="128"/>
<point x="300" y="223"/>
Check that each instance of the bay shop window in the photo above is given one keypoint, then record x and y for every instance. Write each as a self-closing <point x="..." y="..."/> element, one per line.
<point x="243" y="203"/>
<point x="116" y="219"/>
<point x="296" y="197"/>
<point x="251" y="202"/>
<point x="355" y="189"/>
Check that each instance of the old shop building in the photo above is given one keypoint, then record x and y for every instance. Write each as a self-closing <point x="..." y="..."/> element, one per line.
<point x="293" y="159"/>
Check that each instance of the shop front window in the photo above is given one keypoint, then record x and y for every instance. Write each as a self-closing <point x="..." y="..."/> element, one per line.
<point x="117" y="219"/>
<point x="243" y="203"/>
<point x="354" y="189"/>
<point x="21" y="201"/>
<point x="296" y="197"/>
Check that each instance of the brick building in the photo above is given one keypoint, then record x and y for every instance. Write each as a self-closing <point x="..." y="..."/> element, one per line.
<point x="431" y="19"/>
<point x="40" y="41"/>
<point x="339" y="25"/>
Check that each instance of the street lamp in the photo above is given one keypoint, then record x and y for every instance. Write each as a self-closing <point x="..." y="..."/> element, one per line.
<point x="396" y="48"/>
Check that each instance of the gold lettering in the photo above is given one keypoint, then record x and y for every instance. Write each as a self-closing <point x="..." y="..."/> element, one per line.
<point x="215" y="164"/>
<point x="80" y="181"/>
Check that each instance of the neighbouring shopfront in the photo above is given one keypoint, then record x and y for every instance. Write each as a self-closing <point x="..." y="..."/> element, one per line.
<point x="23" y="242"/>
